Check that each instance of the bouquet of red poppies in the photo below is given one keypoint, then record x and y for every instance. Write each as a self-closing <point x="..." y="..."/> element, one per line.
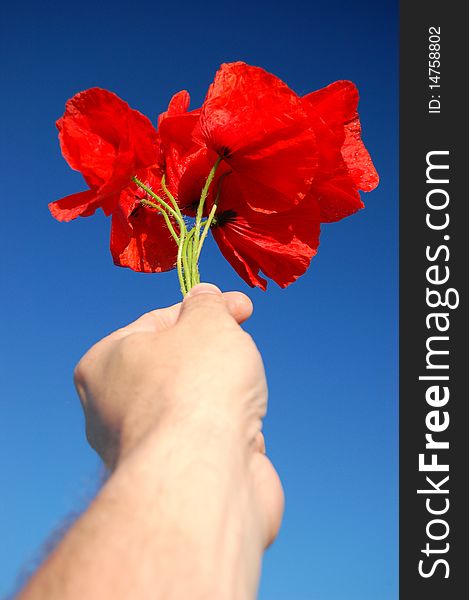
<point x="257" y="166"/>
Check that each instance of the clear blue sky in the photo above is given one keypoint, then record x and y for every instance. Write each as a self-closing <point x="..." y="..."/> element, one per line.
<point x="329" y="341"/>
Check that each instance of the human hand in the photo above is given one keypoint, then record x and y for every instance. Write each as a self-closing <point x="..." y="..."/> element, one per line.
<point x="173" y="371"/>
<point x="174" y="405"/>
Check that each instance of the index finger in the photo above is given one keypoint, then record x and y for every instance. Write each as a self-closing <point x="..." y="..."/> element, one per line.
<point x="239" y="305"/>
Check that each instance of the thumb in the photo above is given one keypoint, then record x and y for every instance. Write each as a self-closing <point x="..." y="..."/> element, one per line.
<point x="204" y="305"/>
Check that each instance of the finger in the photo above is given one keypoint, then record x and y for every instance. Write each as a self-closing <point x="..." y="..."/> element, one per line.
<point x="259" y="443"/>
<point x="204" y="308"/>
<point x="239" y="305"/>
<point x="152" y="322"/>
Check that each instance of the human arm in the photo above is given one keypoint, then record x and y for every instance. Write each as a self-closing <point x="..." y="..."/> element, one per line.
<point x="174" y="404"/>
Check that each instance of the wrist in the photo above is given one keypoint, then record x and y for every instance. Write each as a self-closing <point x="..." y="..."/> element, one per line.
<point x="199" y="424"/>
<point x="198" y="479"/>
<point x="209" y="437"/>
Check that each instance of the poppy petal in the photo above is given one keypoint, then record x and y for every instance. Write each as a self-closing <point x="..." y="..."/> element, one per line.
<point x="280" y="245"/>
<point x="358" y="159"/>
<point x="243" y="265"/>
<point x="276" y="176"/>
<point x="335" y="193"/>
<point x="82" y="204"/>
<point x="106" y="140"/>
<point x="259" y="125"/>
<point x="140" y="238"/>
<point x="335" y="107"/>
<point x="179" y="104"/>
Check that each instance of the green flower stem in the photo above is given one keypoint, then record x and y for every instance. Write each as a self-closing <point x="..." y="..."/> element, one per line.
<point x="164" y="204"/>
<point x="183" y="268"/>
<point x="170" y="196"/>
<point x="166" y="218"/>
<point x="194" y="258"/>
<point x="195" y="267"/>
<point x="189" y="242"/>
<point x="179" y="265"/>
<point x="205" y="231"/>
<point x="186" y="262"/>
<point x="203" y="197"/>
<point x="195" y="277"/>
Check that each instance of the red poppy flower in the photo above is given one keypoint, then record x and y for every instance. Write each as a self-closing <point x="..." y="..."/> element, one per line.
<point x="345" y="167"/>
<point x="288" y="164"/>
<point x="175" y="128"/>
<point x="108" y="142"/>
<point x="140" y="238"/>
<point x="281" y="244"/>
<point x="231" y="124"/>
<point x="260" y="128"/>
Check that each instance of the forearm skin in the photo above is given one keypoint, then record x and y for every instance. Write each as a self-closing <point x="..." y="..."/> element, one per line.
<point x="175" y="520"/>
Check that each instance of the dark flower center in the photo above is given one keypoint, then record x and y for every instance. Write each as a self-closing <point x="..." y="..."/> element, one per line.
<point x="137" y="208"/>
<point x="224" y="151"/>
<point x="227" y="216"/>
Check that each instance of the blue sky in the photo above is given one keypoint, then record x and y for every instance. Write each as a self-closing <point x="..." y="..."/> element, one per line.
<point x="329" y="341"/>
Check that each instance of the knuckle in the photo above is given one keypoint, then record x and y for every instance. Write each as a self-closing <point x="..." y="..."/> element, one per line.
<point x="80" y="372"/>
<point x="205" y="301"/>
